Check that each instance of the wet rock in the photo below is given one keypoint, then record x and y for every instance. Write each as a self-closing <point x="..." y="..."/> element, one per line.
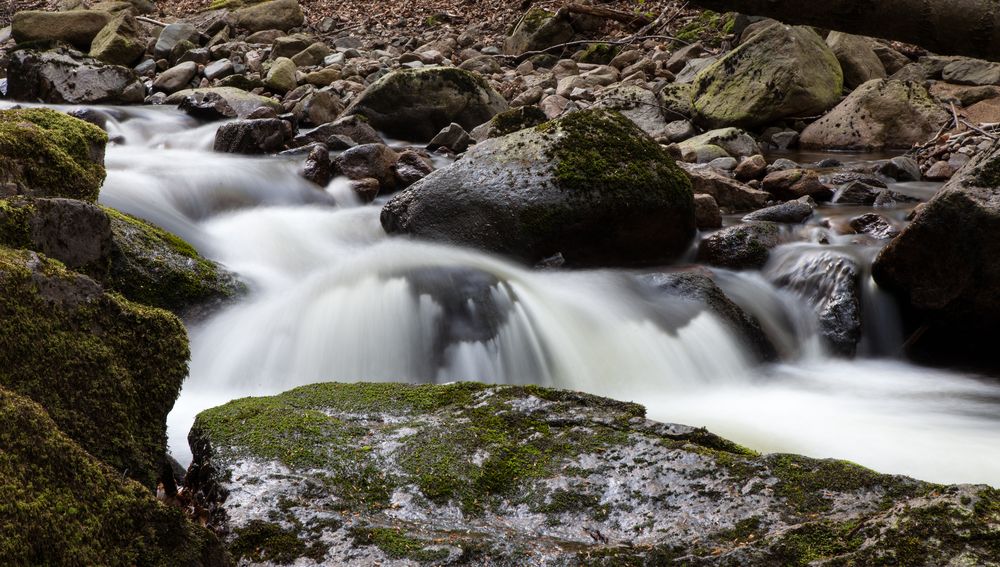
<point x="171" y="36"/>
<point x="317" y="167"/>
<point x="376" y="161"/>
<point x="412" y="167"/>
<point x="838" y="178"/>
<point x="741" y="247"/>
<point x="275" y="14"/>
<point x="878" y="114"/>
<point x="830" y="283"/>
<point x="537" y="30"/>
<point x="416" y="104"/>
<point x="706" y="212"/>
<point x="857" y="58"/>
<point x="557" y="188"/>
<point x="57" y="77"/>
<point x="44" y="153"/>
<point x="753" y="167"/>
<point x="119" y="42"/>
<point x="900" y="168"/>
<point x="856" y="193"/>
<point x="176" y="77"/>
<point x="258" y="136"/>
<point x="727" y="192"/>
<point x="355" y="128"/>
<point x="76" y="27"/>
<point x="940" y="171"/>
<point x="795" y="74"/>
<point x="240" y="101"/>
<point x="383" y="473"/>
<point x="452" y="137"/>
<point x="874" y="225"/>
<point x="791" y="212"/>
<point x="791" y="184"/>
<point x="366" y="189"/>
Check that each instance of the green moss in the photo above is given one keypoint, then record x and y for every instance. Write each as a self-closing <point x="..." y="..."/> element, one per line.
<point x="397" y="545"/>
<point x="51" y="154"/>
<point x="599" y="53"/>
<point x="572" y="502"/>
<point x="534" y="19"/>
<point x="152" y="266"/>
<point x="263" y="541"/>
<point x="708" y="27"/>
<point x="817" y="541"/>
<point x="511" y="121"/>
<point x="107" y="370"/>
<point x="61" y="506"/>
<point x="15" y="227"/>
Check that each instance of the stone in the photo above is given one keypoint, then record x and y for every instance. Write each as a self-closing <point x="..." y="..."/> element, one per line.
<point x="638" y="105"/>
<point x="515" y="458"/>
<point x="218" y="69"/>
<point x="940" y="171"/>
<point x="752" y="167"/>
<point x="289" y="45"/>
<point x="45" y="153"/>
<point x="857" y="58"/>
<point x="510" y="121"/>
<point x="318" y="107"/>
<point x="281" y="76"/>
<point x="689" y="73"/>
<point x="59" y="78"/>
<point x="792" y="212"/>
<point x="240" y="101"/>
<point x="175" y="78"/>
<point x="76" y="233"/>
<point x="171" y="36"/>
<point x="874" y="225"/>
<point x="972" y="72"/>
<point x="794" y="74"/>
<point x="880" y="114"/>
<point x="704" y="153"/>
<point x="900" y="168"/>
<point x="792" y="184"/>
<point x="736" y="143"/>
<point x="591" y="186"/>
<point x="679" y="59"/>
<point x="891" y="59"/>
<point x="482" y="64"/>
<point x="412" y="167"/>
<point x="537" y="30"/>
<point x="312" y="55"/>
<point x="317" y="167"/>
<point x="375" y="161"/>
<point x="275" y="14"/>
<point x="267" y="37"/>
<point x="119" y="42"/>
<point x="962" y="95"/>
<point x="741" y="247"/>
<point x="416" y="104"/>
<point x="353" y="127"/>
<point x="452" y="137"/>
<point x="856" y="193"/>
<point x="257" y="136"/>
<point x="76" y="27"/>
<point x="706" y="212"/>
<point x="727" y="192"/>
<point x="724" y="164"/>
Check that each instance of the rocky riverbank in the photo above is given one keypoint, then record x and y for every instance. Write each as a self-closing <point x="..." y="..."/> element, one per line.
<point x="564" y="138"/>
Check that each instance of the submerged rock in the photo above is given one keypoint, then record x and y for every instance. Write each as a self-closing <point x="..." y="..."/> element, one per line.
<point x="470" y="474"/>
<point x="417" y="103"/>
<point x="591" y="186"/>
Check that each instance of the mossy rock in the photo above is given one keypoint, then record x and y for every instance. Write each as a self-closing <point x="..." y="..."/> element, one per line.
<point x="508" y="475"/>
<point x="416" y="104"/>
<point x="590" y="186"/>
<point x="119" y="43"/>
<point x="61" y="506"/>
<point x="107" y="370"/>
<point x="45" y="153"/>
<point x="510" y="121"/>
<point x="152" y="266"/>
<point x="539" y="29"/>
<point x="598" y="53"/>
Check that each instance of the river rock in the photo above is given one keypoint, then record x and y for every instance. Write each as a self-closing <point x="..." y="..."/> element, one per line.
<point x="219" y="69"/>
<point x="945" y="266"/>
<point x="539" y="29"/>
<point x="45" y="153"/>
<point x="176" y="77"/>
<point x="76" y="233"/>
<point x="590" y="186"/>
<point x="741" y="247"/>
<point x="276" y="14"/>
<point x="791" y="212"/>
<point x="356" y="128"/>
<point x="76" y="27"/>
<point x="252" y="136"/>
<point x="317" y="167"/>
<point x="707" y="214"/>
<point x="753" y="167"/>
<point x="171" y="35"/>
<point x="280" y="77"/>
<point x="57" y="77"/>
<point x="48" y="519"/>
<point x="312" y="55"/>
<point x="789" y="184"/>
<point x="452" y="137"/>
<point x="374" y="161"/>
<point x="638" y="105"/>
<point x="317" y="107"/>
<point x="119" y="42"/>
<point x="857" y="58"/>
<point x="412" y="167"/>
<point x="736" y="143"/>
<point x="793" y="73"/>
<point x="972" y="72"/>
<point x="239" y="100"/>
<point x="508" y="122"/>
<point x="874" y="225"/>
<point x="727" y="192"/>
<point x="880" y="114"/>
<point x="388" y="473"/>
<point x="417" y="103"/>
<point x="831" y="284"/>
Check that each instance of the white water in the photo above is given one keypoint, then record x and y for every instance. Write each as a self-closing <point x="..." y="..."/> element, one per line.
<point x="333" y="298"/>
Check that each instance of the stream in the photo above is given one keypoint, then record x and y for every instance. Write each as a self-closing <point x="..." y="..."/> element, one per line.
<point x="332" y="298"/>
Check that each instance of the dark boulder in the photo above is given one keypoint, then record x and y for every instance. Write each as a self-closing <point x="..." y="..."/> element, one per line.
<point x="57" y="77"/>
<point x="740" y="247"/>
<point x="256" y="136"/>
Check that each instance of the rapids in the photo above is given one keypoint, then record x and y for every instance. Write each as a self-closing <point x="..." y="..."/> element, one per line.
<point x="333" y="298"/>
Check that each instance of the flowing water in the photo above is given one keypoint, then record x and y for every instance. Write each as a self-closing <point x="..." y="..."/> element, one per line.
<point x="333" y="298"/>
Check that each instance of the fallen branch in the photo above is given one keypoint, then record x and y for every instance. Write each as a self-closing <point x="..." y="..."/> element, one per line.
<point x="627" y="41"/>
<point x="150" y="21"/>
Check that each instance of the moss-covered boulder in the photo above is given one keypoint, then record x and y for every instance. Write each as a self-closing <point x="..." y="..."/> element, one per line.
<point x="539" y="29"/>
<point x="119" y="42"/>
<point x="45" y="153"/>
<point x="470" y="474"/>
<point x="416" y="104"/>
<point x="152" y="266"/>
<point x="780" y="72"/>
<point x="77" y="27"/>
<point x="61" y="506"/>
<point x="107" y="370"/>
<point x="590" y="186"/>
<point x="880" y="114"/>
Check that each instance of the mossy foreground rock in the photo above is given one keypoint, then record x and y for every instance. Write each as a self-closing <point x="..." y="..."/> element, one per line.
<point x="470" y="474"/>
<point x="107" y="370"/>
<point x="415" y="104"/>
<point x="780" y="72"/>
<point x="591" y="186"/>
<point x="44" y="153"/>
<point x="61" y="506"/>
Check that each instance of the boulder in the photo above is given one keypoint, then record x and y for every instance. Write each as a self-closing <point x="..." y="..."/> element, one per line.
<point x="972" y="72"/>
<point x="539" y="29"/>
<point x="857" y="58"/>
<point x="65" y="507"/>
<point x="741" y="247"/>
<point x="76" y="27"/>
<point x="317" y="167"/>
<point x="638" y="105"/>
<point x="239" y="100"/>
<point x="371" y="474"/>
<point x="57" y="77"/>
<point x="276" y="14"/>
<point x="727" y="192"/>
<point x="76" y="233"/>
<point x="119" y="42"/>
<point x="830" y="283"/>
<point x="590" y="186"/>
<point x="452" y="137"/>
<point x="176" y="77"/>
<point x="97" y="362"/>
<point x="880" y="114"/>
<point x="779" y="73"/>
<point x="354" y="127"/>
<point x="416" y="104"/>
<point x="375" y="161"/>
<point x="252" y="136"/>
<point x="736" y="143"/>
<point x="45" y="153"/>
